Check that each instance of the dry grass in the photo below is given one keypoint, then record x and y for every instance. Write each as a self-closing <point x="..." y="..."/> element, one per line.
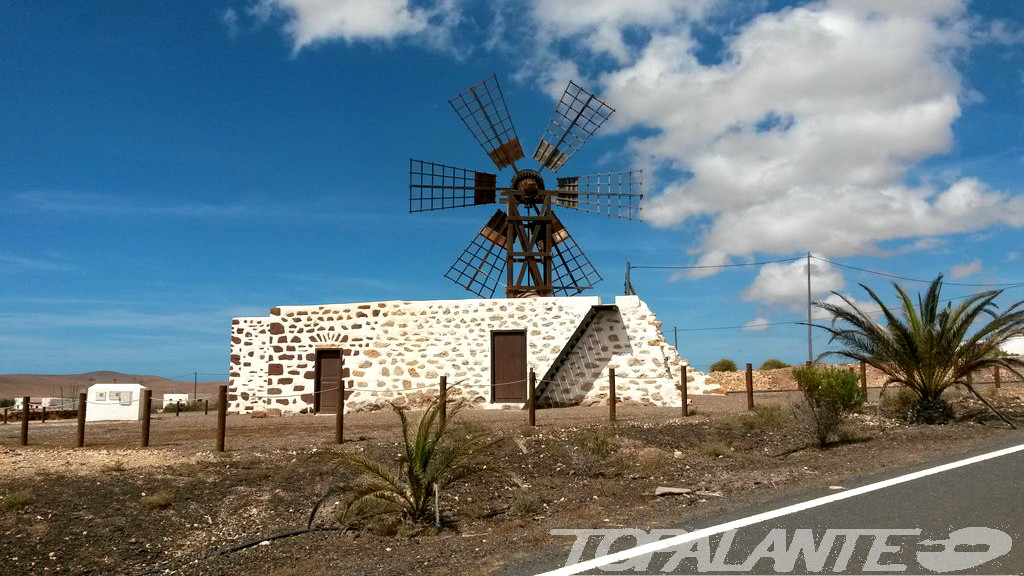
<point x="16" y="499"/>
<point x="159" y="500"/>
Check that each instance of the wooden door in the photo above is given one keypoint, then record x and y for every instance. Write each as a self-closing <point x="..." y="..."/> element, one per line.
<point x="508" y="366"/>
<point x="328" y="381"/>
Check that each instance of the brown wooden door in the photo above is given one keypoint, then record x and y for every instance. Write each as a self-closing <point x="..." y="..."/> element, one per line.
<point x="328" y="380"/>
<point x="508" y="366"/>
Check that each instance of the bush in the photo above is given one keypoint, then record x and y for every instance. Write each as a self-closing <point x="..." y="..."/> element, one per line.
<point x="6" y="402"/>
<point x="724" y="365"/>
<point x="831" y="394"/>
<point x="773" y="364"/>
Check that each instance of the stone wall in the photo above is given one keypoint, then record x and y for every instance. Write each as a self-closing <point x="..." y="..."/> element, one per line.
<point x="395" y="351"/>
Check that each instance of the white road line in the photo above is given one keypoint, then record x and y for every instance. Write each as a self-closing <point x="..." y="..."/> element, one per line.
<point x="652" y="547"/>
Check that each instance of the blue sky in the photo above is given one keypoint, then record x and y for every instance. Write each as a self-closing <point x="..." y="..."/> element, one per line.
<point x="166" y="166"/>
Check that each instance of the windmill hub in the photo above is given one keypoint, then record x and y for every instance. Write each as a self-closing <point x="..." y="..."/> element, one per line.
<point x="528" y="182"/>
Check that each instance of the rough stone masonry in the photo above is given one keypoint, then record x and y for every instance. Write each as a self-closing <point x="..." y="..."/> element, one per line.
<point x="395" y="351"/>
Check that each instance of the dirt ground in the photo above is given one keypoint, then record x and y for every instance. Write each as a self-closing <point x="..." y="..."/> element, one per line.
<point x="112" y="508"/>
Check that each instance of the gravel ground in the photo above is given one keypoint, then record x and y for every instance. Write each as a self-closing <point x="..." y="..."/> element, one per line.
<point x="112" y="508"/>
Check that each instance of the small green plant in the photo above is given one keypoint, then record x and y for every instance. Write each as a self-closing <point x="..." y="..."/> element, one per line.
<point x="724" y="365"/>
<point x="773" y="364"/>
<point x="595" y="448"/>
<point x="159" y="500"/>
<point x="830" y="395"/>
<point x="16" y="499"/>
<point x="434" y="458"/>
<point x="766" y="417"/>
<point x="715" y="448"/>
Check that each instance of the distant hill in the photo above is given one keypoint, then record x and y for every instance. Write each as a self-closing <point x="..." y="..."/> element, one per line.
<point x="35" y="385"/>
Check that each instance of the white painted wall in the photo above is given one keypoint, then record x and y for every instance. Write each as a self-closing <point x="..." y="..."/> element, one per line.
<point x="171" y="398"/>
<point x="114" y="402"/>
<point x="395" y="351"/>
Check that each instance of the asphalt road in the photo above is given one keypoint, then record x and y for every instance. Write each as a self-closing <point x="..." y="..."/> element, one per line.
<point x="988" y="495"/>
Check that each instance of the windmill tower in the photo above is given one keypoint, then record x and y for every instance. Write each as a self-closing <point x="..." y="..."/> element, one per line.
<point x="526" y="247"/>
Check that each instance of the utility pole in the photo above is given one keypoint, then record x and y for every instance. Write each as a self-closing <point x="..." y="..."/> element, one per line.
<point x="810" y="350"/>
<point x="675" y="337"/>
<point x="629" y="285"/>
<point x="195" y="386"/>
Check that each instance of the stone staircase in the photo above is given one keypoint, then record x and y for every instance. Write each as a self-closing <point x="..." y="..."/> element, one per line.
<point x="545" y="400"/>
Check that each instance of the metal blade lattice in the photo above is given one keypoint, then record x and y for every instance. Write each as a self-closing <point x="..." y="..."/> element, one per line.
<point x="435" y="186"/>
<point x="616" y="194"/>
<point x="481" y="266"/>
<point x="571" y="270"/>
<point x="577" y="116"/>
<point x="482" y="109"/>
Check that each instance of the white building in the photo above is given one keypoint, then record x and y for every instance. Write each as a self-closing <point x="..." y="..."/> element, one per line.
<point x="171" y="399"/>
<point x="114" y="402"/>
<point x="295" y="358"/>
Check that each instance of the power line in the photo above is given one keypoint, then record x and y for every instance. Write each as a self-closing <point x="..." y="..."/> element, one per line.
<point x="897" y="277"/>
<point x="717" y="265"/>
<point x="805" y="323"/>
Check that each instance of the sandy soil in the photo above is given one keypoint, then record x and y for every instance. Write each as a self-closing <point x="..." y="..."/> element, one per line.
<point x="112" y="508"/>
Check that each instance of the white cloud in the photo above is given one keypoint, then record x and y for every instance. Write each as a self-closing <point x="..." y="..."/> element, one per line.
<point x="230" y="19"/>
<point x="964" y="270"/>
<point x="758" y="324"/>
<point x="785" y="284"/>
<point x="313" y="21"/>
<point x="802" y="137"/>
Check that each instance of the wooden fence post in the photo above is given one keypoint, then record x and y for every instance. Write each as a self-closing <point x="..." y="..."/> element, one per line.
<point x="683" y="391"/>
<point x="611" y="394"/>
<point x="147" y="411"/>
<point x="206" y="407"/>
<point x="442" y="396"/>
<point x="222" y="415"/>
<point x="531" y="398"/>
<point x="864" y="376"/>
<point x="339" y="416"/>
<point x="177" y="408"/>
<point x="750" y="387"/>
<point x="24" y="421"/>
<point x="5" y="415"/>
<point x="996" y="377"/>
<point x="81" y="419"/>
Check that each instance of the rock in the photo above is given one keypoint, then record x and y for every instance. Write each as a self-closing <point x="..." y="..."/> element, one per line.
<point x="670" y="491"/>
<point x="707" y="493"/>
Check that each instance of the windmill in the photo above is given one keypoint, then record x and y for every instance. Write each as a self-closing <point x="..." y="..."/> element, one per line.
<point x="525" y="245"/>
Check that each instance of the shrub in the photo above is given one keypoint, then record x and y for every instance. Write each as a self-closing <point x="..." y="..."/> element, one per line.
<point x="773" y="364"/>
<point x="928" y="346"/>
<point x="6" y="402"/>
<point x="434" y="458"/>
<point x="831" y="394"/>
<point x="724" y="365"/>
<point x="159" y="500"/>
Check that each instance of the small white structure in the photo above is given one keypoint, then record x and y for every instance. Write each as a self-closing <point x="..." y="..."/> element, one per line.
<point x="114" y="402"/>
<point x="171" y="399"/>
<point x="1014" y="346"/>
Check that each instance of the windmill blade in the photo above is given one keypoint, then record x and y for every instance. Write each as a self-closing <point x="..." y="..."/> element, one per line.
<point x="571" y="271"/>
<point x="616" y="194"/>
<point x="435" y="186"/>
<point x="481" y="266"/>
<point x="482" y="109"/>
<point x="577" y="116"/>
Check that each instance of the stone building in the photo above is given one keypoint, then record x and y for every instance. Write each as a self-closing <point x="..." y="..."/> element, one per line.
<point x="395" y="351"/>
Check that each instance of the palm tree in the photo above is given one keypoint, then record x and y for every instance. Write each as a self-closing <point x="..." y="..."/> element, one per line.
<point x="434" y="458"/>
<point x="929" y="347"/>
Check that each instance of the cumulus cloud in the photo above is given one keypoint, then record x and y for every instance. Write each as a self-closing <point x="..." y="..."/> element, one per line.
<point x="803" y="135"/>
<point x="785" y="284"/>
<point x="313" y="21"/>
<point x="758" y="324"/>
<point x="964" y="270"/>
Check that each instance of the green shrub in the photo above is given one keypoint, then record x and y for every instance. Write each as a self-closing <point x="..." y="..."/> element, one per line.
<point x="830" y="395"/>
<point x="724" y="365"/>
<point x="773" y="364"/>
<point x="6" y="402"/>
<point x="436" y="455"/>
